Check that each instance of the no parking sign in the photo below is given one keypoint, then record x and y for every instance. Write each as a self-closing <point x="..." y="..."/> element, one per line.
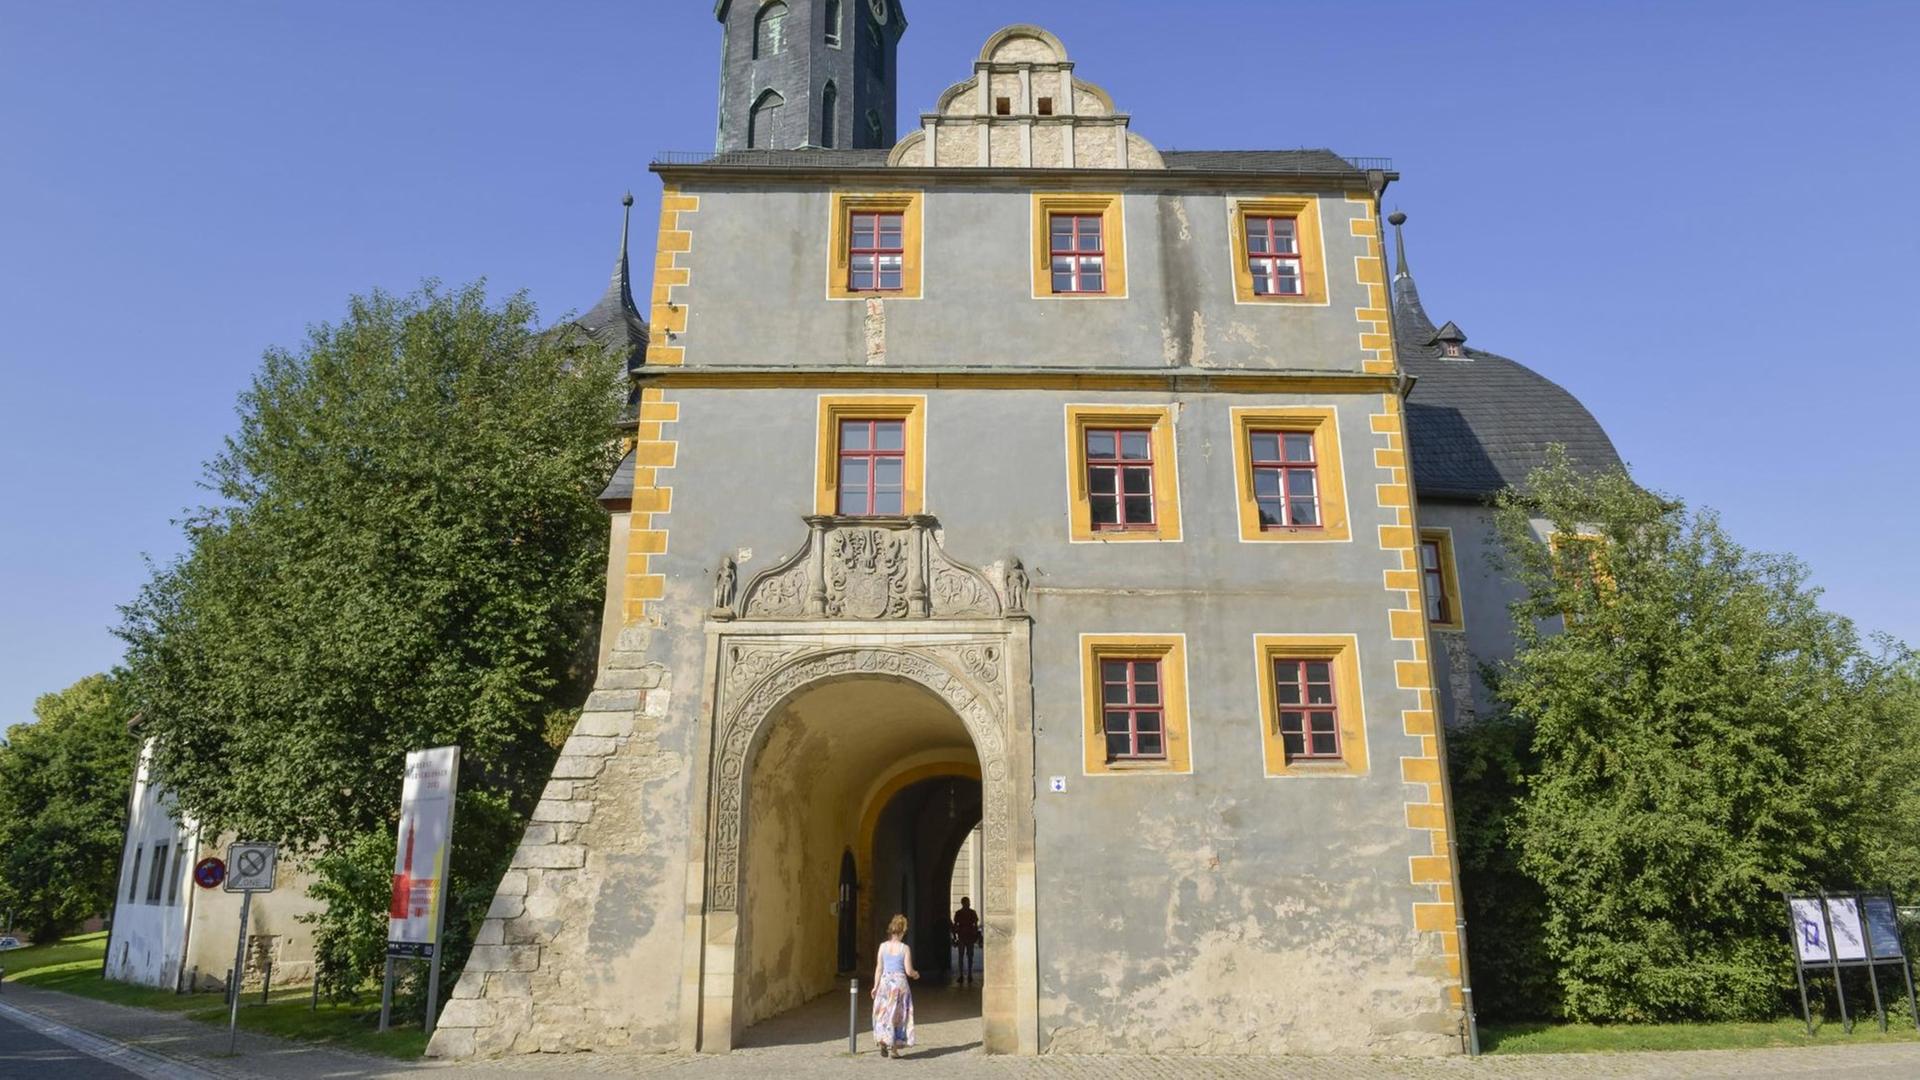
<point x="209" y="872"/>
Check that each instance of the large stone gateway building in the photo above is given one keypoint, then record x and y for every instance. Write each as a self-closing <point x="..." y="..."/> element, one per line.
<point x="1017" y="474"/>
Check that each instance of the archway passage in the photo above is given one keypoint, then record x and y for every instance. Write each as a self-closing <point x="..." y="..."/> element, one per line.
<point x="860" y="794"/>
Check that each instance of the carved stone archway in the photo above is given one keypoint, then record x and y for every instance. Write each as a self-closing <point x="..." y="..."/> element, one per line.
<point x="974" y="672"/>
<point x="867" y="598"/>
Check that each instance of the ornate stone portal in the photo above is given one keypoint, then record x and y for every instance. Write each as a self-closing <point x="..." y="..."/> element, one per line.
<point x="863" y="599"/>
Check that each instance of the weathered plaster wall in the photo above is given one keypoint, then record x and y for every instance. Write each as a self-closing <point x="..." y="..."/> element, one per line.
<point x="1222" y="911"/>
<point x="765" y="250"/>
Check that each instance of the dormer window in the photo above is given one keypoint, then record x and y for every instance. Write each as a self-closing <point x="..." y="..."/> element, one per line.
<point x="1452" y="342"/>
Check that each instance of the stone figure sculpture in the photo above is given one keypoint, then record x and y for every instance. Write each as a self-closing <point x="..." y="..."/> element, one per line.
<point x="1016" y="587"/>
<point x="723" y="580"/>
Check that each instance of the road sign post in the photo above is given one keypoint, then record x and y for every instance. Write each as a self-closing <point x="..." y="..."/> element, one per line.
<point x="252" y="872"/>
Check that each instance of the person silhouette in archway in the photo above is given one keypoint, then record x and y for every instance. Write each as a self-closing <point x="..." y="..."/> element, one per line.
<point x="966" y="936"/>
<point x="892" y="997"/>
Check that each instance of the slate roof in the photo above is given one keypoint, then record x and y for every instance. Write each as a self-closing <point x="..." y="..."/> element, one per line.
<point x="614" y="320"/>
<point x="1481" y="422"/>
<point x="618" y="494"/>
<point x="1293" y="162"/>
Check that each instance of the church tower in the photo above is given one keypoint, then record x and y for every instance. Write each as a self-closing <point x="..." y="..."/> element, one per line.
<point x="808" y="73"/>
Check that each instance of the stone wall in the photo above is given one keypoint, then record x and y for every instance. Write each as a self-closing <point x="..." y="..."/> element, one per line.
<point x="580" y="949"/>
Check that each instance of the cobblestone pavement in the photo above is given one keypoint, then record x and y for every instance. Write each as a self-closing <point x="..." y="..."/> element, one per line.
<point x="811" y="1043"/>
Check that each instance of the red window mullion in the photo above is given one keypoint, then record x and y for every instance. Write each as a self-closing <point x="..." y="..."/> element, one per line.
<point x="1073" y="253"/>
<point x="1292" y="672"/>
<point x="872" y="455"/>
<point x="866" y="241"/>
<point x="1121" y="465"/>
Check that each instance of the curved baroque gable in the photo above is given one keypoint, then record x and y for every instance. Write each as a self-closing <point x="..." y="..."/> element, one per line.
<point x="1024" y="108"/>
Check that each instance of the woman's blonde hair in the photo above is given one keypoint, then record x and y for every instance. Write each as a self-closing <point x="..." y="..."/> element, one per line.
<point x="897" y="926"/>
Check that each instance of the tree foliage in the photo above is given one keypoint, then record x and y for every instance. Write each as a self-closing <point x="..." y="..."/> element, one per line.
<point x="406" y="552"/>
<point x="1701" y="737"/>
<point x="63" y="806"/>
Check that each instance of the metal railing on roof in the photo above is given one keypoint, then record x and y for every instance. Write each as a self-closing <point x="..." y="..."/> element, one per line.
<point x="1283" y="161"/>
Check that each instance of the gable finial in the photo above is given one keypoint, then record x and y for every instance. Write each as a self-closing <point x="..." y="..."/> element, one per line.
<point x="1397" y="219"/>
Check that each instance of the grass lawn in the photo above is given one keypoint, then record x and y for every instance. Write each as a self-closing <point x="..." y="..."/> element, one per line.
<point x="72" y="966"/>
<point x="1550" y="1038"/>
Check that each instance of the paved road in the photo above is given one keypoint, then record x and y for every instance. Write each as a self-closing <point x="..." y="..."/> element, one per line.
<point x="26" y="1053"/>
<point x="811" y="1043"/>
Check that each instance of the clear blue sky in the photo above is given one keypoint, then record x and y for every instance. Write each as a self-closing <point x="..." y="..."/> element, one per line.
<point x="1696" y="216"/>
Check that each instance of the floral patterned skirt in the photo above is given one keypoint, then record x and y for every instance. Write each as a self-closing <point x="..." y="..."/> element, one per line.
<point x="893" y="1012"/>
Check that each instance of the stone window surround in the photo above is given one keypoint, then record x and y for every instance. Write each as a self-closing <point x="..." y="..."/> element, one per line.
<point x="911" y="206"/>
<point x="1171" y="652"/>
<point x="1324" y="422"/>
<point x="911" y="409"/>
<point x="1113" y="227"/>
<point x="1166" y="472"/>
<point x="1343" y="651"/>
<point x="1305" y="211"/>
<point x="1442" y="539"/>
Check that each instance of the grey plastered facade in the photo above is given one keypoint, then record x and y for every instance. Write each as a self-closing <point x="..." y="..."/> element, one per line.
<point x="1216" y="904"/>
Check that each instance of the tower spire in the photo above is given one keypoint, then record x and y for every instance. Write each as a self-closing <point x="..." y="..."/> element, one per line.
<point x="1410" y="323"/>
<point x="615" y="318"/>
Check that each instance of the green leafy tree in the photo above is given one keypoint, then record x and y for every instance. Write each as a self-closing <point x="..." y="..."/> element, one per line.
<point x="63" y="806"/>
<point x="1693" y="714"/>
<point x="406" y="552"/>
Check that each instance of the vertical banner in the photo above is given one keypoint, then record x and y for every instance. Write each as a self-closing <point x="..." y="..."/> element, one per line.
<point x="421" y="859"/>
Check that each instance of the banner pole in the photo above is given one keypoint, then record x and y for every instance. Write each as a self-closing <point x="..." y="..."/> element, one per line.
<point x="239" y="971"/>
<point x="1799" y="965"/>
<point x="386" y="995"/>
<point x="1833" y="962"/>
<point x="440" y="903"/>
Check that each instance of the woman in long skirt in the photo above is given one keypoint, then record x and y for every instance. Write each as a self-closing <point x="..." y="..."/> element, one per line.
<point x="892" y="998"/>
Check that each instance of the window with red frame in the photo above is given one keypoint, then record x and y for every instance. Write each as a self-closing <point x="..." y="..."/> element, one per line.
<point x="876" y="253"/>
<point x="1286" y="479"/>
<point x="1079" y="253"/>
<point x="1273" y="256"/>
<point x="873" y="466"/>
<point x="1308" y="716"/>
<point x="1133" y="711"/>
<point x="1120" y="477"/>
<point x="1436" y="583"/>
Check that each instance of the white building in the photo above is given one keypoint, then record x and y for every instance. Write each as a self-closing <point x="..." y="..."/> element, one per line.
<point x="167" y="932"/>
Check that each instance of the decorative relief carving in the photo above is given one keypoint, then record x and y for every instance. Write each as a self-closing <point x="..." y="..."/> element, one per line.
<point x="759" y="677"/>
<point x="871" y="568"/>
<point x="867" y="575"/>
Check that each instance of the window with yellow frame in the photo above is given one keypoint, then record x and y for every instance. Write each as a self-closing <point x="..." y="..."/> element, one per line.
<point x="1079" y="246"/>
<point x="877" y="242"/>
<point x="1124" y="482"/>
<point x="1289" y="474"/>
<point x="1277" y="250"/>
<point x="1440" y="579"/>
<point x="884" y="437"/>
<point x="1134" y="689"/>
<point x="1312" y="715"/>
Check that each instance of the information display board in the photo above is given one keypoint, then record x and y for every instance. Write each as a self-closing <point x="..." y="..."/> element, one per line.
<point x="1833" y="932"/>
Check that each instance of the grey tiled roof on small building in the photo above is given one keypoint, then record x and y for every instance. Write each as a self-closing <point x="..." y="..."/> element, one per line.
<point x="1481" y="422"/>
